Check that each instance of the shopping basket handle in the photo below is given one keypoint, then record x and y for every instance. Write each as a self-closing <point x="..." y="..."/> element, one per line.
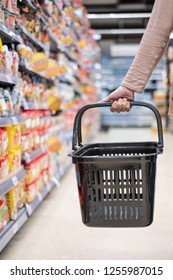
<point x="77" y="134"/>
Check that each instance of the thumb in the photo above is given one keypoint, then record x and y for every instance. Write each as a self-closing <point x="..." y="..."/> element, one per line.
<point x="106" y="99"/>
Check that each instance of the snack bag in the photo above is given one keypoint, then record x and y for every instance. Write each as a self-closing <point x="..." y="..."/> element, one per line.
<point x="30" y="190"/>
<point x="4" y="214"/>
<point x="22" y="195"/>
<point x="16" y="97"/>
<point x="8" y="101"/>
<point x="3" y="106"/>
<point x="14" y="136"/>
<point x="14" y="159"/>
<point x="12" y="198"/>
<point x="3" y="142"/>
<point x="3" y="167"/>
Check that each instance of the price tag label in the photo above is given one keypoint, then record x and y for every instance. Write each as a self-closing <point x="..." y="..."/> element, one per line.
<point x="8" y="79"/>
<point x="15" y="227"/>
<point x="14" y="120"/>
<point x="39" y="197"/>
<point x="48" y="187"/>
<point x="15" y="181"/>
<point x="29" y="209"/>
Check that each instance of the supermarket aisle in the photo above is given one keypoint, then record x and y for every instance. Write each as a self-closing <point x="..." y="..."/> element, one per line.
<point x="55" y="230"/>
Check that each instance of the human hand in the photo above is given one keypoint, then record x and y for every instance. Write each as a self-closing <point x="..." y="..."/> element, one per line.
<point x="120" y="96"/>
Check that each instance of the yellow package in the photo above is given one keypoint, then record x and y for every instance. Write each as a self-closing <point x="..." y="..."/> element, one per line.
<point x="12" y="200"/>
<point x="14" y="136"/>
<point x="14" y="159"/>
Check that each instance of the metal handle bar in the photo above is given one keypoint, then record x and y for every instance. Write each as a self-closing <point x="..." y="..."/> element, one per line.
<point x="77" y="135"/>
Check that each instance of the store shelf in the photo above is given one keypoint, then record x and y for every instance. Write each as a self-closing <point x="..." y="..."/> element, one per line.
<point x="7" y="79"/>
<point x="33" y="39"/>
<point x="9" y="35"/>
<point x="28" y="157"/>
<point x="33" y="106"/>
<point x="31" y="207"/>
<point x="11" y="181"/>
<point x="5" y="121"/>
<point x="24" y="68"/>
<point x="12" y="228"/>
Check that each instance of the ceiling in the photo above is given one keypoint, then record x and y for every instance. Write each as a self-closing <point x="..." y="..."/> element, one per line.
<point x="119" y="21"/>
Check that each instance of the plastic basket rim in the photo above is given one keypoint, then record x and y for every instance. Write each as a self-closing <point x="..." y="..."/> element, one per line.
<point x="76" y="153"/>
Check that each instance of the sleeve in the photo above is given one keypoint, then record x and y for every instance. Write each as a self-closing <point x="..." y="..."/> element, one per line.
<point x="152" y="46"/>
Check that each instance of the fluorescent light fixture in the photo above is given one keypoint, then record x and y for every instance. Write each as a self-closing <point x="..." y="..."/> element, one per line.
<point x="119" y="16"/>
<point x="97" y="36"/>
<point x="120" y="31"/>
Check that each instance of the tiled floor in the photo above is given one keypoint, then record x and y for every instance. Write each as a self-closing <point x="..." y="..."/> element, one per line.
<point x="55" y="230"/>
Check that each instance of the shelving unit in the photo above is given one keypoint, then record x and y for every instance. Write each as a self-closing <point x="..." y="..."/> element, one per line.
<point x="71" y="86"/>
<point x="31" y="207"/>
<point x="12" y="228"/>
<point x="28" y="157"/>
<point x="5" y="121"/>
<point x="11" y="181"/>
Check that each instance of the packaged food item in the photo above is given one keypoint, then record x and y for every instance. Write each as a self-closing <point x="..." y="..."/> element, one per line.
<point x="12" y="198"/>
<point x="21" y="194"/>
<point x="11" y="6"/>
<point x="24" y="51"/>
<point x="38" y="62"/>
<point x="30" y="190"/>
<point x="32" y="170"/>
<point x="3" y="62"/>
<point x="10" y="20"/>
<point x="14" y="136"/>
<point x="16" y="97"/>
<point x="15" y="63"/>
<point x="4" y="167"/>
<point x="25" y="143"/>
<point x="4" y="214"/>
<point x="14" y="159"/>
<point x="8" y="101"/>
<point x="3" y="142"/>
<point x="3" y="106"/>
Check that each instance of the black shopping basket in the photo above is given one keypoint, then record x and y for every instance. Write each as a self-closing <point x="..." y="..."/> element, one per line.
<point x="116" y="181"/>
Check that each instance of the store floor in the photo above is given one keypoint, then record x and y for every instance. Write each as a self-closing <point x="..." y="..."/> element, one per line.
<point x="55" y="230"/>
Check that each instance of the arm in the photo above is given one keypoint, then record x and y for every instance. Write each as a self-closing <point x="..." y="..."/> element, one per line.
<point x="151" y="48"/>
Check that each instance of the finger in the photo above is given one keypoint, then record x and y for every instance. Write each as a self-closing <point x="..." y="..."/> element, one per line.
<point x="116" y="106"/>
<point x="128" y="107"/>
<point x="123" y="105"/>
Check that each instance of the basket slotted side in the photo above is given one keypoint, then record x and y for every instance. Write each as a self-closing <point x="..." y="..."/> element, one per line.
<point x="116" y="185"/>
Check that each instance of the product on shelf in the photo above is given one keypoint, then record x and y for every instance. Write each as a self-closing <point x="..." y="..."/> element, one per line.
<point x="16" y="199"/>
<point x="4" y="213"/>
<point x="37" y="176"/>
<point x="4" y="169"/>
<point x="47" y="64"/>
<point x="9" y="61"/>
<point x="3" y="142"/>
